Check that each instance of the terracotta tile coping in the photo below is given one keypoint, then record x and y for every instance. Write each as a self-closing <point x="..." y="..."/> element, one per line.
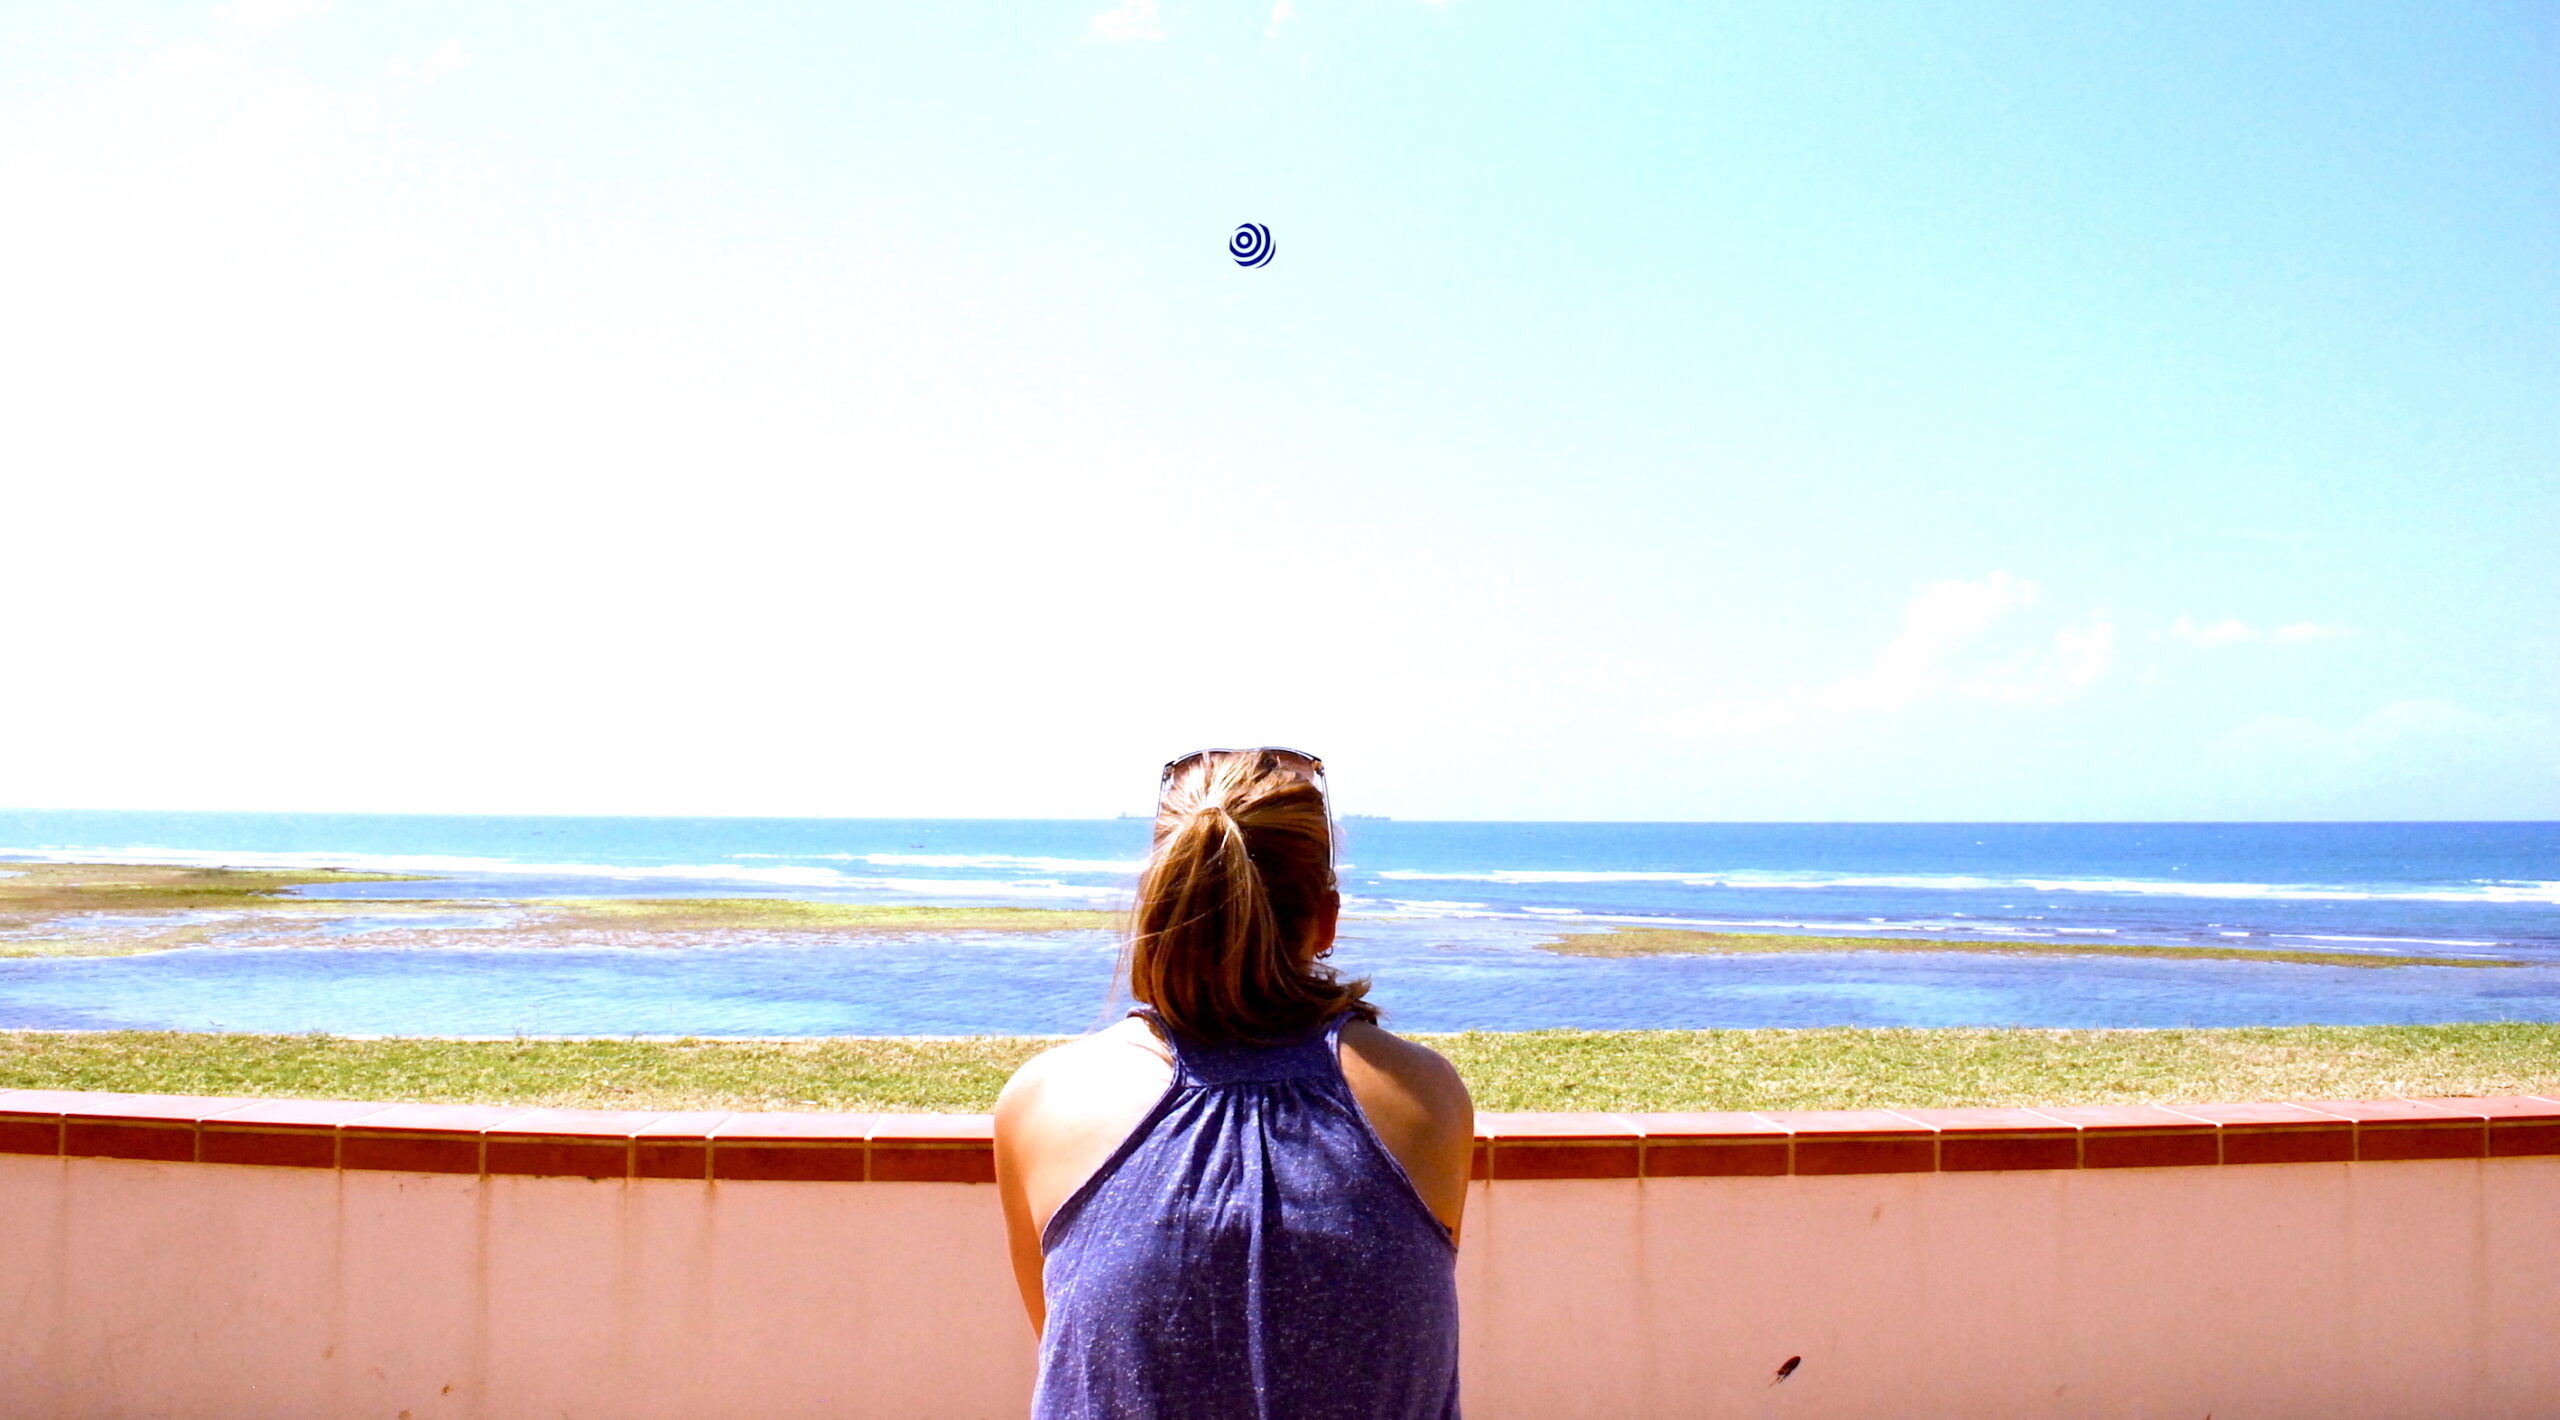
<point x="958" y="1148"/>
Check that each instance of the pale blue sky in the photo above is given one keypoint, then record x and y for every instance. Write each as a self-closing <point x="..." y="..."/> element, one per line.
<point x="1772" y="412"/>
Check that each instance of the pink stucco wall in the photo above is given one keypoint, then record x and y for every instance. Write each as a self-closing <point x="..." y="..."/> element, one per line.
<point x="2386" y="1286"/>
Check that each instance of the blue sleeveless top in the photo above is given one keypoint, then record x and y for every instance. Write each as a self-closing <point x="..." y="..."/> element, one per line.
<point x="1251" y="1250"/>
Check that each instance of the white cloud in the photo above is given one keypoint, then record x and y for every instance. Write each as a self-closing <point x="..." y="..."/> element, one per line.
<point x="2047" y="672"/>
<point x="444" y="59"/>
<point x="2233" y="632"/>
<point x="1947" y="646"/>
<point x="2087" y="650"/>
<point x="2226" y="632"/>
<point x="447" y="57"/>
<point x="268" y="14"/>
<point x="1943" y="617"/>
<point x="1281" y="13"/>
<point x="1131" y="19"/>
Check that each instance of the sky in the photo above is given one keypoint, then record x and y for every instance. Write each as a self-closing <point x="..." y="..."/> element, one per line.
<point x="1693" y="412"/>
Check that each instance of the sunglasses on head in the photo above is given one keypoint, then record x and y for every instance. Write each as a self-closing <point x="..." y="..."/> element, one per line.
<point x="1308" y="763"/>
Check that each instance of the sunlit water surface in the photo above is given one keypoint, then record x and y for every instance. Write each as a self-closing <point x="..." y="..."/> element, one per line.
<point x="1430" y="975"/>
<point x="1455" y="912"/>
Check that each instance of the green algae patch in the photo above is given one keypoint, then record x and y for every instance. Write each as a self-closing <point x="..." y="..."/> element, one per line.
<point x="1837" y="1068"/>
<point x="122" y="940"/>
<point x="1678" y="941"/>
<point x="775" y="914"/>
<point x="39" y="890"/>
<point x="122" y="909"/>
<point x="93" y="910"/>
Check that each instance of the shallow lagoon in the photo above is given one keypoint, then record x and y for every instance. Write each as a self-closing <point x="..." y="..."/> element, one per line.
<point x="1431" y="976"/>
<point x="1456" y="912"/>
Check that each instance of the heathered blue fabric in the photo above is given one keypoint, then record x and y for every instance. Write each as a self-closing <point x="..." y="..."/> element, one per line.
<point x="1251" y="1251"/>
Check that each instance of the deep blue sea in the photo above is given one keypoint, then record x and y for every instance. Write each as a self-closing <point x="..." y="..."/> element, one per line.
<point x="1447" y="918"/>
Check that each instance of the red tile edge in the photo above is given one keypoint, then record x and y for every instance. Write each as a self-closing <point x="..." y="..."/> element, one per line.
<point x="671" y="1159"/>
<point x="1694" y="1158"/>
<point x="365" y="1150"/>
<point x="933" y="1148"/>
<point x="29" y="1135"/>
<point x="964" y="1162"/>
<point x="796" y="1161"/>
<point x="128" y="1139"/>
<point x="2289" y="1144"/>
<point x="1579" y="1158"/>
<point x="2021" y="1152"/>
<point x="701" y="1147"/>
<point x="556" y="1157"/>
<point x="275" y="1148"/>
<point x="2150" y="1149"/>
<point x="2399" y="1143"/>
<point x="676" y="1146"/>
<point x="1915" y="1151"/>
<point x="2519" y="1139"/>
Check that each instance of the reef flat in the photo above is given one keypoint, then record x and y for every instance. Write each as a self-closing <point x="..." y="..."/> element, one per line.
<point x="1675" y="941"/>
<point x="78" y="909"/>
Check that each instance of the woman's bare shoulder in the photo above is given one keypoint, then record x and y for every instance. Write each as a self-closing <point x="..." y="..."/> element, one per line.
<point x="1417" y="1072"/>
<point x="1122" y="1059"/>
<point x="1420" y="1110"/>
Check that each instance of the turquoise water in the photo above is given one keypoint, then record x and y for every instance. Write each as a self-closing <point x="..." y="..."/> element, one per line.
<point x="1451" y="917"/>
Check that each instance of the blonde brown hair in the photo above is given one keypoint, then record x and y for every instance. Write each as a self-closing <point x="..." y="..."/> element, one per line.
<point x="1241" y="874"/>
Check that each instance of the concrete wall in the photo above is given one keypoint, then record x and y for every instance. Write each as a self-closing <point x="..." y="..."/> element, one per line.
<point x="148" y="1287"/>
<point x="2326" y="1290"/>
<point x="133" y="1288"/>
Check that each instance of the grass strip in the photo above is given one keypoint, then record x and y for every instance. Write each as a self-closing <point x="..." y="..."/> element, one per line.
<point x="1680" y="941"/>
<point x="868" y="1074"/>
<point x="1850" y="1068"/>
<point x="1842" y="1068"/>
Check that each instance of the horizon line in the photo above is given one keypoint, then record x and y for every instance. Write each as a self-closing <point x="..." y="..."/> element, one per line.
<point x="1360" y="817"/>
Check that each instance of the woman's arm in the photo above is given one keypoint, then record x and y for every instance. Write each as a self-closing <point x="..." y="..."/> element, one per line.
<point x="1420" y="1109"/>
<point x="1060" y="1116"/>
<point x="1016" y="1109"/>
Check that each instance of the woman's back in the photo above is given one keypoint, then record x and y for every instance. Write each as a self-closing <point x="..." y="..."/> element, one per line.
<point x="1244" y="1201"/>
<point x="1252" y="1248"/>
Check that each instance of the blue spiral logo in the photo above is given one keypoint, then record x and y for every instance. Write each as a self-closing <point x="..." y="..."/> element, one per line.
<point x="1251" y="245"/>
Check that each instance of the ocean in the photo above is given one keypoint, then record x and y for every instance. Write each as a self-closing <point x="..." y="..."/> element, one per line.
<point x="1446" y="917"/>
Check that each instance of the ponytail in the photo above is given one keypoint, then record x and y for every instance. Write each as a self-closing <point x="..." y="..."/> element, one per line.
<point x="1239" y="877"/>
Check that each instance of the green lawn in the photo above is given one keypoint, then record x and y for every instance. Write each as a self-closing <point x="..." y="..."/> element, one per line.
<point x="1567" y="1070"/>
